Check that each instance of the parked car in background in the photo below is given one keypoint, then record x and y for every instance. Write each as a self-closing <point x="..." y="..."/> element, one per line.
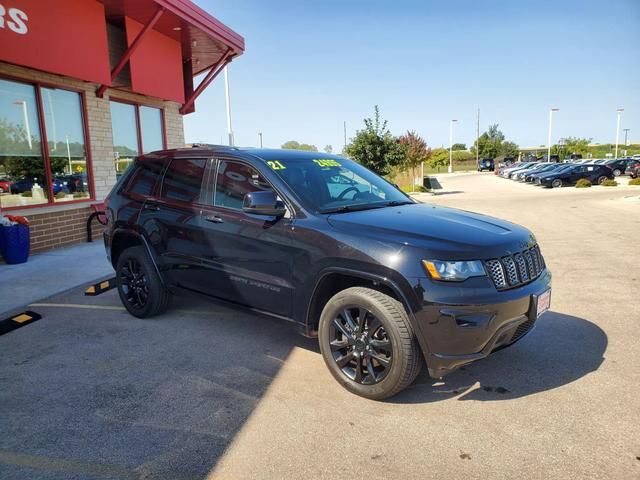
<point x="569" y="176"/>
<point x="549" y="167"/>
<point x="619" y="166"/>
<point x="600" y="161"/>
<point x="520" y="175"/>
<point x="516" y="166"/>
<point x="633" y="168"/>
<point x="512" y="173"/>
<point x="5" y="185"/>
<point x="385" y="283"/>
<point x="486" y="164"/>
<point x="26" y="184"/>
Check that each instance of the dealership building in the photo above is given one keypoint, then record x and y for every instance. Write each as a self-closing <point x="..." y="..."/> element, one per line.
<point x="85" y="86"/>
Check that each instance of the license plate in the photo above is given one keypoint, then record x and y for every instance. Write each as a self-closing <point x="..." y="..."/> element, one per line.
<point x="543" y="303"/>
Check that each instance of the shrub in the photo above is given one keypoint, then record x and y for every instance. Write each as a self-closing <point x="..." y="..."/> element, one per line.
<point x="26" y="194"/>
<point x="634" y="181"/>
<point x="60" y="195"/>
<point x="609" y="183"/>
<point x="80" y="195"/>
<point x="583" y="183"/>
<point x="417" y="188"/>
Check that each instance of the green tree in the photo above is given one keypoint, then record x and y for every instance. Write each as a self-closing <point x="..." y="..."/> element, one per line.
<point x="375" y="147"/>
<point x="458" y="146"/>
<point x="572" y="145"/>
<point x="509" y="149"/>
<point x="293" y="145"/>
<point x="415" y="150"/>
<point x="439" y="158"/>
<point x="328" y="149"/>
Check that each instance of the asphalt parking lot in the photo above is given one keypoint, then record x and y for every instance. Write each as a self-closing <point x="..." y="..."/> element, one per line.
<point x="204" y="391"/>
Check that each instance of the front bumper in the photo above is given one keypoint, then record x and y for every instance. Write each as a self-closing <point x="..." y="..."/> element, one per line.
<point x="453" y="335"/>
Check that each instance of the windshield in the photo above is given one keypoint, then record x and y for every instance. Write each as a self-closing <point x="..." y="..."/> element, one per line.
<point x="336" y="184"/>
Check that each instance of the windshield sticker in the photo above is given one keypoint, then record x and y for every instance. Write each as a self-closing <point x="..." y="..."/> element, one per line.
<point x="276" y="165"/>
<point x="327" y="162"/>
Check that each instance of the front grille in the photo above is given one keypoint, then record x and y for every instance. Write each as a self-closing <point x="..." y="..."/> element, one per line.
<point x="515" y="270"/>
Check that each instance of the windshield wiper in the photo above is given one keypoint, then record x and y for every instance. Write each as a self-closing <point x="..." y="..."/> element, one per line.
<point x="351" y="208"/>
<point x="397" y="203"/>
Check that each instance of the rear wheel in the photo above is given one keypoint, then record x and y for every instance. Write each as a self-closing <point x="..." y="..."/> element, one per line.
<point x="617" y="172"/>
<point x="139" y="285"/>
<point x="601" y="179"/>
<point x="557" y="183"/>
<point x="368" y="344"/>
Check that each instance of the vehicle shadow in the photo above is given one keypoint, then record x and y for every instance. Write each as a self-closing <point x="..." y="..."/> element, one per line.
<point x="560" y="350"/>
<point x="448" y="192"/>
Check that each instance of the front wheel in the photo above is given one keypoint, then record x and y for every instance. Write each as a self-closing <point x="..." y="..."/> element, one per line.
<point x="139" y="285"/>
<point x="557" y="183"/>
<point x="601" y="180"/>
<point x="368" y="343"/>
<point x="617" y="172"/>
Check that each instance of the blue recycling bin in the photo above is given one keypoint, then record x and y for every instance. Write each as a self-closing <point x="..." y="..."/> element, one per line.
<point x="14" y="243"/>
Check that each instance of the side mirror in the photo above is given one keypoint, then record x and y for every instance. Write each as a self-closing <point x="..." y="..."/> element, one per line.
<point x="263" y="203"/>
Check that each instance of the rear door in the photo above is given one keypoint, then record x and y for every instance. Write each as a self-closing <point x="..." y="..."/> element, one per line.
<point x="172" y="222"/>
<point x="246" y="258"/>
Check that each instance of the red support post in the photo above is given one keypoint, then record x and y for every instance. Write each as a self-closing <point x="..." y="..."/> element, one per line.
<point x="209" y="77"/>
<point x="132" y="48"/>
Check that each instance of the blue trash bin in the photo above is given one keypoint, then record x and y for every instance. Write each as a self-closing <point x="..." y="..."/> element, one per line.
<point x="14" y="243"/>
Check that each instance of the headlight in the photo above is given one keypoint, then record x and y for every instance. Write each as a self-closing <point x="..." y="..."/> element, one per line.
<point x="454" y="271"/>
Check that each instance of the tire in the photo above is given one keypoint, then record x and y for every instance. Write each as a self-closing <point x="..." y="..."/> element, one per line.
<point x="134" y="265"/>
<point x="557" y="183"/>
<point x="617" y="172"/>
<point x="601" y="179"/>
<point x="391" y="339"/>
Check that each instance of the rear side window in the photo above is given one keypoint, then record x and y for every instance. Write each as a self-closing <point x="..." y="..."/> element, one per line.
<point x="146" y="172"/>
<point x="234" y="181"/>
<point x="183" y="180"/>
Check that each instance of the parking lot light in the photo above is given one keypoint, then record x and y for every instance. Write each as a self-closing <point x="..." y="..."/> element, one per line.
<point x="549" y="137"/>
<point x="618" y="115"/>
<point x="451" y="145"/>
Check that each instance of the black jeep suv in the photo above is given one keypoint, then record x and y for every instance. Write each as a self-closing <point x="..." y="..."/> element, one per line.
<point x="382" y="280"/>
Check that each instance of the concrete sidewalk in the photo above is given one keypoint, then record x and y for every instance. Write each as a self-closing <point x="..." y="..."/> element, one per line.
<point x="52" y="272"/>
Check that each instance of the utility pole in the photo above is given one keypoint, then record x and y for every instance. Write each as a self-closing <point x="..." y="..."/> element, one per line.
<point x="618" y="115"/>
<point x="260" y="139"/>
<point x="451" y="145"/>
<point x="478" y="138"/>
<point x="549" y="137"/>
<point x="226" y="94"/>
<point x="626" y="132"/>
<point x="344" y="124"/>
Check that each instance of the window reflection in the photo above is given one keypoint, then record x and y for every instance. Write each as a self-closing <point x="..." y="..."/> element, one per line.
<point x="65" y="140"/>
<point x="22" y="167"/>
<point x="125" y="135"/>
<point x="151" y="129"/>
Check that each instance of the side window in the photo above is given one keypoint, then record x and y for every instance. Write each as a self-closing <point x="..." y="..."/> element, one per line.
<point x="183" y="179"/>
<point x="145" y="175"/>
<point x="233" y="181"/>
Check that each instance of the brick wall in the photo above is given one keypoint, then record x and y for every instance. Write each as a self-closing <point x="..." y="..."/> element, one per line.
<point x="53" y="227"/>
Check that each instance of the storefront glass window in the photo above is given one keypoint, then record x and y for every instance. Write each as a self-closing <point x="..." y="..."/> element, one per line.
<point x="65" y="140"/>
<point x="22" y="166"/>
<point x="125" y="135"/>
<point x="151" y="129"/>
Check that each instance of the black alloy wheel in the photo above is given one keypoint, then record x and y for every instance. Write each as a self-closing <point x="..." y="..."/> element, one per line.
<point x="360" y="345"/>
<point x="134" y="284"/>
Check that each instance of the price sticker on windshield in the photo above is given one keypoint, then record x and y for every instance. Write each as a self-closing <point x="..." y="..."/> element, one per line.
<point x="326" y="162"/>
<point x="276" y="165"/>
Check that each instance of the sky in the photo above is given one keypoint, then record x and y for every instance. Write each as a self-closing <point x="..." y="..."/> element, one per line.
<point x="309" y="66"/>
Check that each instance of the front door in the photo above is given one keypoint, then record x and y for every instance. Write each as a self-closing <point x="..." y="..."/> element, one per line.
<point x="246" y="258"/>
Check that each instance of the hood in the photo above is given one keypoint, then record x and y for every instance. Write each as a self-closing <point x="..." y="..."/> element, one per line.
<point x="448" y="233"/>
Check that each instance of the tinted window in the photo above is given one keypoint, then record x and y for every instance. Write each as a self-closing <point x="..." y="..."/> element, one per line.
<point x="183" y="180"/>
<point x="144" y="177"/>
<point x="151" y="129"/>
<point x="233" y="181"/>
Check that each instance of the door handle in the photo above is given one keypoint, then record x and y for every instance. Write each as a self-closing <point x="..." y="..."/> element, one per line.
<point x="153" y="208"/>
<point x="214" y="219"/>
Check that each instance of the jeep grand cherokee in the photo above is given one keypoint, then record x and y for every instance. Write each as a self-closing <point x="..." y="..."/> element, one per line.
<point x="384" y="282"/>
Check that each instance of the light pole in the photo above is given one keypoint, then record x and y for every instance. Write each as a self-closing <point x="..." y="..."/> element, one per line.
<point x="226" y="94"/>
<point x="626" y="133"/>
<point x="451" y="145"/>
<point x="549" y="136"/>
<point x="26" y="120"/>
<point x="618" y="115"/>
<point x="260" y="139"/>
